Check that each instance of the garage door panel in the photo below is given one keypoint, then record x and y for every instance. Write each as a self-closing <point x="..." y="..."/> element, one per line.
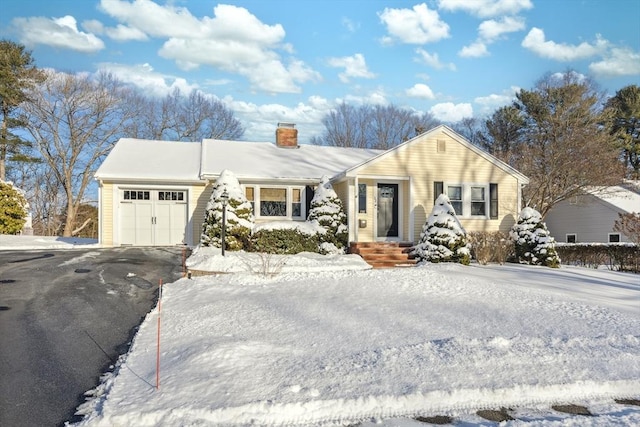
<point x="153" y="218"/>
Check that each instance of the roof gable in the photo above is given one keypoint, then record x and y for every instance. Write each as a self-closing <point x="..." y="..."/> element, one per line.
<point x="420" y="139"/>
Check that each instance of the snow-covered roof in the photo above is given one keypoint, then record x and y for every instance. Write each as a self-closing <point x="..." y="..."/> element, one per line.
<point x="265" y="160"/>
<point x="620" y="197"/>
<point x="143" y="159"/>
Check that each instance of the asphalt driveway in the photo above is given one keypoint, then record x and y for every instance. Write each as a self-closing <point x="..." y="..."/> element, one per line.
<point x="65" y="317"/>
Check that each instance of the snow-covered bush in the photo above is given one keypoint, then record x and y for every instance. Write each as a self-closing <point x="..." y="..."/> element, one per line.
<point x="327" y="212"/>
<point x="13" y="209"/>
<point x="443" y="239"/>
<point x="239" y="215"/>
<point x="533" y="243"/>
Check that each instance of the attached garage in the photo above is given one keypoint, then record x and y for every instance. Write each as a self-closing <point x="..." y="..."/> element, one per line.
<point x="149" y="192"/>
<point x="153" y="217"/>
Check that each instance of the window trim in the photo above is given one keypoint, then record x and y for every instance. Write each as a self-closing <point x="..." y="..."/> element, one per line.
<point x="609" y="235"/>
<point x="289" y="200"/>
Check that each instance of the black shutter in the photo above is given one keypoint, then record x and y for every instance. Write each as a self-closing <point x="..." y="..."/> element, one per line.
<point x="309" y="192"/>
<point x="493" y="201"/>
<point x="438" y="189"/>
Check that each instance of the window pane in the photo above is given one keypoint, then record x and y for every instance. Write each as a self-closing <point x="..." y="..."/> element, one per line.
<point x="477" y="194"/>
<point x="127" y="195"/>
<point x="454" y="193"/>
<point x="478" y="205"/>
<point x="181" y="195"/>
<point x="614" y="238"/>
<point x="455" y="196"/>
<point x="160" y="195"/>
<point x="273" y="202"/>
<point x="248" y="192"/>
<point x="478" y="208"/>
<point x="296" y="203"/>
<point x="571" y="238"/>
<point x="362" y="198"/>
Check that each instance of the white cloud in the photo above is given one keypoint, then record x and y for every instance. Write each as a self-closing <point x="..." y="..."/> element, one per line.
<point x="56" y="32"/>
<point x="351" y="26"/>
<point x="490" y="103"/>
<point x="450" y="113"/>
<point x="419" y="25"/>
<point x="433" y="60"/>
<point x="233" y="40"/>
<point x="486" y="8"/>
<point x="261" y="120"/>
<point x="491" y="30"/>
<point x="420" y="90"/>
<point x="618" y="62"/>
<point x="354" y="66"/>
<point x="144" y="77"/>
<point x="119" y="33"/>
<point x="536" y="42"/>
<point x="474" y="50"/>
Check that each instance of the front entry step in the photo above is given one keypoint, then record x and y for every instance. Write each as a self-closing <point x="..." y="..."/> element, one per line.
<point x="384" y="254"/>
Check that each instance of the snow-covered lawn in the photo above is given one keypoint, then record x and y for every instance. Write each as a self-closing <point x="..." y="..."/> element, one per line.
<point x="333" y="346"/>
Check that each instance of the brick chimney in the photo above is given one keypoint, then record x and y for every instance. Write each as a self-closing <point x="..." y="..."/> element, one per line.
<point x="287" y="135"/>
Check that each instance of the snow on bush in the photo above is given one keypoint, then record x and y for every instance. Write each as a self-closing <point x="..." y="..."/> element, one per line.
<point x="239" y="215"/>
<point x="13" y="208"/>
<point x="327" y="212"/>
<point x="533" y="242"/>
<point x="443" y="239"/>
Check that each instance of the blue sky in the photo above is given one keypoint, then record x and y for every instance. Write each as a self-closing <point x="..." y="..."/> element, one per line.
<point x="293" y="60"/>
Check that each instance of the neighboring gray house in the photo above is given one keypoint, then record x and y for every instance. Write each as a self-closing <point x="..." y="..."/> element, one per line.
<point x="589" y="218"/>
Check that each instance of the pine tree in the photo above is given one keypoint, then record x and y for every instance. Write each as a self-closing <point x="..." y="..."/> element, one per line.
<point x="239" y="215"/>
<point x="327" y="212"/>
<point x="533" y="242"/>
<point x="13" y="209"/>
<point x="443" y="239"/>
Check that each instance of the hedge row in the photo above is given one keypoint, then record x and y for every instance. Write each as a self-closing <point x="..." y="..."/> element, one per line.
<point x="617" y="256"/>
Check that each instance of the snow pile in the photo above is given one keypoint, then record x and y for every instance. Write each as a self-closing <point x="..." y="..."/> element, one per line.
<point x="21" y="242"/>
<point x="306" y="227"/>
<point x="341" y="347"/>
<point x="210" y="259"/>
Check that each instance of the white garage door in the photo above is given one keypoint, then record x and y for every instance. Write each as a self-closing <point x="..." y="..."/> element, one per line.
<point x="153" y="217"/>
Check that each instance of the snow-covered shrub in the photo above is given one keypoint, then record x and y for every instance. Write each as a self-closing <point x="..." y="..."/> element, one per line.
<point x="533" y="243"/>
<point x="327" y="212"/>
<point x="13" y="209"/>
<point x="239" y="215"/>
<point x="443" y="239"/>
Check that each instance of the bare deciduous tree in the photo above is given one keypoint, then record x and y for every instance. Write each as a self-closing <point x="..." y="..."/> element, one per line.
<point x="186" y="118"/>
<point x="74" y="120"/>
<point x="379" y="127"/>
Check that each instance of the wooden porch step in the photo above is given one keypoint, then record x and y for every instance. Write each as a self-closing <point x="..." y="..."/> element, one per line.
<point x="384" y="254"/>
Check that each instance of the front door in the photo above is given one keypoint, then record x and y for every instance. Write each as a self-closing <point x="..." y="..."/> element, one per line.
<point x="387" y="210"/>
